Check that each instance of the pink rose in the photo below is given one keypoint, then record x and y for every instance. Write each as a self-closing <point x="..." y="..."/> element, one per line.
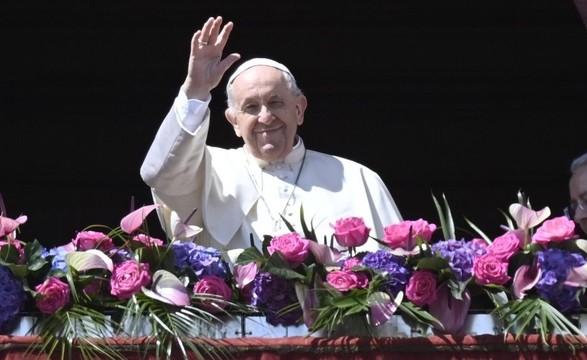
<point x="556" y="230"/>
<point x="505" y="246"/>
<point x="86" y="240"/>
<point x="351" y="263"/>
<point x="404" y="234"/>
<point x="292" y="247"/>
<point x="345" y="280"/>
<point x="489" y="269"/>
<point x="351" y="232"/>
<point x="215" y="286"/>
<point x="53" y="294"/>
<point x="147" y="240"/>
<point x="128" y="278"/>
<point x="421" y="288"/>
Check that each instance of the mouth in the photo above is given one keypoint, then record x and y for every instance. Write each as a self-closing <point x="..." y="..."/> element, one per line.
<point x="267" y="130"/>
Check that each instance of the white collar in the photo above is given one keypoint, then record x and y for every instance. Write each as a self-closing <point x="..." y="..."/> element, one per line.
<point x="295" y="155"/>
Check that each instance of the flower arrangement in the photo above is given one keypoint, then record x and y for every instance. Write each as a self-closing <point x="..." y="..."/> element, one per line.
<point x="536" y="270"/>
<point x="534" y="278"/>
<point x="119" y="281"/>
<point x="429" y="284"/>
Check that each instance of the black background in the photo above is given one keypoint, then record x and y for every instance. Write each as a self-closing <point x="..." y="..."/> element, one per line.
<point x="475" y="99"/>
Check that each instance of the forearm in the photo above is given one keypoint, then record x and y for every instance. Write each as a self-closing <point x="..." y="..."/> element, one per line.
<point x="175" y="156"/>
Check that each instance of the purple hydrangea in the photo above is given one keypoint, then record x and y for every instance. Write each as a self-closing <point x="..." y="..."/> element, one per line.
<point x="460" y="255"/>
<point x="273" y="295"/>
<point x="397" y="274"/>
<point x="13" y="298"/>
<point x="555" y="265"/>
<point x="57" y="256"/>
<point x="202" y="260"/>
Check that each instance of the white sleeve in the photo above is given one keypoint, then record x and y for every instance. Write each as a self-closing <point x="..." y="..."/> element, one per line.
<point x="190" y="112"/>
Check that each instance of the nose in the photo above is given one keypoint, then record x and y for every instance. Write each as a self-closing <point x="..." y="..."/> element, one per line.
<point x="265" y="115"/>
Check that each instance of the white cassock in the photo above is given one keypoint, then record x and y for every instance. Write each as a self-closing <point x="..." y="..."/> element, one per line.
<point x="237" y="195"/>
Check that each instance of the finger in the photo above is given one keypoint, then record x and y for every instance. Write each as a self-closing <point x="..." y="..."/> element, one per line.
<point x="214" y="30"/>
<point x="228" y="61"/>
<point x="225" y="33"/>
<point x="205" y="32"/>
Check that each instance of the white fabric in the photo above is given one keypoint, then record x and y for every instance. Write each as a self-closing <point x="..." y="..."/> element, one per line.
<point x="233" y="193"/>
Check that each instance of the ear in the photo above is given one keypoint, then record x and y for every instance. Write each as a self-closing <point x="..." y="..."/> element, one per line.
<point x="231" y="117"/>
<point x="301" y="109"/>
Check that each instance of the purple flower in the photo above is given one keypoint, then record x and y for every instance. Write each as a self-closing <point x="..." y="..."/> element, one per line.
<point x="12" y="295"/>
<point x="397" y="274"/>
<point x="273" y="295"/>
<point x="460" y="255"/>
<point x="58" y="257"/>
<point x="203" y="261"/>
<point x="555" y="265"/>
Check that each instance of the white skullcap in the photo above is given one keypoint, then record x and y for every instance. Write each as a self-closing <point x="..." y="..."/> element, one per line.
<point x="257" y="62"/>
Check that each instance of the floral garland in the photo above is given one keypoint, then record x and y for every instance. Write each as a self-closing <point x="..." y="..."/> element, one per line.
<point x="534" y="275"/>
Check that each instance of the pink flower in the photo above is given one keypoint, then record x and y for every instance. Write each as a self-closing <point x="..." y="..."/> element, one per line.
<point x="86" y="240"/>
<point x="404" y="234"/>
<point x="53" y="294"/>
<point x="451" y="312"/>
<point x="18" y="246"/>
<point x="505" y="246"/>
<point x="128" y="278"/>
<point x="147" y="240"/>
<point x="8" y="226"/>
<point x="421" y="288"/>
<point x="489" y="269"/>
<point x="94" y="288"/>
<point x="351" y="263"/>
<point x="292" y="247"/>
<point x="555" y="230"/>
<point x="345" y="280"/>
<point x="215" y="286"/>
<point x="351" y="232"/>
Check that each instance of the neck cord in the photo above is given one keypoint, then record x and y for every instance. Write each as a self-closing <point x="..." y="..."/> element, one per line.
<point x="276" y="222"/>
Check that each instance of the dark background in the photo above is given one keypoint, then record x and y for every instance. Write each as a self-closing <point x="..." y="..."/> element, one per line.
<point x="475" y="99"/>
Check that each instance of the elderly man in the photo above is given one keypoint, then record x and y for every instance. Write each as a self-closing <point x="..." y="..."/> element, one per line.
<point x="578" y="191"/>
<point x="245" y="193"/>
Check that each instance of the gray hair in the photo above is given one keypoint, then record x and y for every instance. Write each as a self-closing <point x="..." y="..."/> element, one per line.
<point x="289" y="78"/>
<point x="578" y="162"/>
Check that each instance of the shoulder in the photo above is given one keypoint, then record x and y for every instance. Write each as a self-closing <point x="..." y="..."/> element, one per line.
<point x="334" y="160"/>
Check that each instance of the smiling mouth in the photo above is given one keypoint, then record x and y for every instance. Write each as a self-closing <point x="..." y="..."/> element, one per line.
<point x="267" y="130"/>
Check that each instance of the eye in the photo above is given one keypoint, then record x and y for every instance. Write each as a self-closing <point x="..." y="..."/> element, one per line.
<point x="276" y="104"/>
<point x="251" y="109"/>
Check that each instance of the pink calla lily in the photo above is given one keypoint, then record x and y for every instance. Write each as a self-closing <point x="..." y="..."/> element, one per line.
<point x="577" y="276"/>
<point x="450" y="312"/>
<point x="308" y="299"/>
<point x="181" y="231"/>
<point x="8" y="225"/>
<point x="525" y="278"/>
<point x="135" y="219"/>
<point x="168" y="288"/>
<point x="245" y="274"/>
<point x="527" y="218"/>
<point x="382" y="306"/>
<point x="89" y="259"/>
<point x="324" y="254"/>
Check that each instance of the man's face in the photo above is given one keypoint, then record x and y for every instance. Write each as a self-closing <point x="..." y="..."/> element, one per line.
<point x="266" y="113"/>
<point x="578" y="194"/>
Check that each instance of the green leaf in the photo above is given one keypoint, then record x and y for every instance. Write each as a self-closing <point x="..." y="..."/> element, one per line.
<point x="251" y="254"/>
<point x="445" y="217"/>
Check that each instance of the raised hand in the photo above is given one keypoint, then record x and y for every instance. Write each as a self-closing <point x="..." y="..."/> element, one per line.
<point x="206" y="66"/>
